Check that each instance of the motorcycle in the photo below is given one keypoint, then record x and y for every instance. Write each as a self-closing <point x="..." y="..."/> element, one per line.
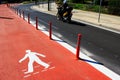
<point x="64" y="14"/>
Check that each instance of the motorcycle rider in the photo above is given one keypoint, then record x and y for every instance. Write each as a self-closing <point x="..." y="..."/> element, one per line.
<point x="64" y="12"/>
<point x="64" y="7"/>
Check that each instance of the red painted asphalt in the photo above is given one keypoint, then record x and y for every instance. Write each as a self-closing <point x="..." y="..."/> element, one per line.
<point x="16" y="36"/>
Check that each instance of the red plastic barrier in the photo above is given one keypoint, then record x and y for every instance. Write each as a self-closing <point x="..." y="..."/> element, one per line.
<point x="50" y="30"/>
<point x="78" y="46"/>
<point x="17" y="11"/>
<point x="29" y="18"/>
<point x="37" y="23"/>
<point x="23" y="15"/>
<point x="20" y="12"/>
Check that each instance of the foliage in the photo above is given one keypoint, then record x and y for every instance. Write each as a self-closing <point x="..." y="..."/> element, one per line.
<point x="97" y="2"/>
<point x="88" y="7"/>
<point x="59" y="2"/>
<point x="78" y="1"/>
<point x="114" y="7"/>
<point x="26" y="2"/>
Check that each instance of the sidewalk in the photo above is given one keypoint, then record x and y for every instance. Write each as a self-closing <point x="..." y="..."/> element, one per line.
<point x="16" y="36"/>
<point x="106" y="21"/>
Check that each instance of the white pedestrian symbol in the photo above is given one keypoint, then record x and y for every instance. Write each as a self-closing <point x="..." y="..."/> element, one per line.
<point x="33" y="58"/>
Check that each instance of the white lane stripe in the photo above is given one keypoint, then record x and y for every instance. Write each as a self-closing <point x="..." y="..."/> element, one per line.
<point x="52" y="67"/>
<point x="24" y="70"/>
<point x="27" y="75"/>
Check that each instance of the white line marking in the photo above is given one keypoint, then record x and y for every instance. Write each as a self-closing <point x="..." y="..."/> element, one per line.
<point x="52" y="67"/>
<point x="44" y="70"/>
<point x="27" y="75"/>
<point x="33" y="57"/>
<point x="24" y="70"/>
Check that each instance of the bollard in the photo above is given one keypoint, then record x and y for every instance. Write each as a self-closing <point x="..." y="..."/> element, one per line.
<point x="17" y="11"/>
<point x="50" y="30"/>
<point x="78" y="46"/>
<point x="37" y="23"/>
<point x="29" y="18"/>
<point x="23" y="14"/>
<point x="7" y="5"/>
<point x="20" y="12"/>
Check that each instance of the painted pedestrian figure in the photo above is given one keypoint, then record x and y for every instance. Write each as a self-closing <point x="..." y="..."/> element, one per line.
<point x="33" y="58"/>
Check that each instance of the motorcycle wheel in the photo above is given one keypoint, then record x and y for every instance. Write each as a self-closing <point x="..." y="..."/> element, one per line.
<point x="69" y="20"/>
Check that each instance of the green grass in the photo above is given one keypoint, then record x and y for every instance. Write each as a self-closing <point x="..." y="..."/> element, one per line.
<point x="88" y="7"/>
<point x="27" y="2"/>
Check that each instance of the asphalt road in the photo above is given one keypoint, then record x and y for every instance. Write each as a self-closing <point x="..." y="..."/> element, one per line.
<point x="99" y="44"/>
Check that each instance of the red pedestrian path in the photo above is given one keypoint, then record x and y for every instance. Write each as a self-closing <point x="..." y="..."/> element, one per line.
<point x="16" y="36"/>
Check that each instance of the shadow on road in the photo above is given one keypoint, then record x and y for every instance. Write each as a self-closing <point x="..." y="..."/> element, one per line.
<point x="77" y="23"/>
<point x="6" y="18"/>
<point x="91" y="61"/>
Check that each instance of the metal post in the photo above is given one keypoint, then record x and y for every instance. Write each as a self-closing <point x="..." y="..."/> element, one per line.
<point x="48" y="5"/>
<point x="100" y="10"/>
